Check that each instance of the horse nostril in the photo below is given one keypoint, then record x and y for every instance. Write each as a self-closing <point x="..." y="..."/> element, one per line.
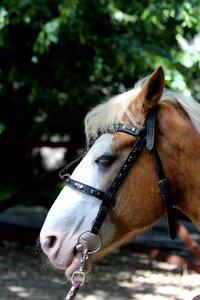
<point x="51" y="241"/>
<point x="50" y="244"/>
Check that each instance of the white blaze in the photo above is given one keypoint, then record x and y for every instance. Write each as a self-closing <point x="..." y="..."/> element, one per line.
<point x="73" y="212"/>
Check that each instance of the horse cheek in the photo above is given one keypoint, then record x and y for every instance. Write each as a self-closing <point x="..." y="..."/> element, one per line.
<point x="139" y="204"/>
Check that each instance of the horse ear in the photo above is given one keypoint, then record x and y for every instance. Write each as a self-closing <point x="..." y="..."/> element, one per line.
<point x="152" y="90"/>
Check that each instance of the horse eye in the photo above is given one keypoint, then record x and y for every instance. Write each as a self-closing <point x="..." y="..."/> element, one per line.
<point x="105" y="161"/>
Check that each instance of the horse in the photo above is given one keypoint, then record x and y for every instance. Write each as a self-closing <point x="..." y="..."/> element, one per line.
<point x="142" y="162"/>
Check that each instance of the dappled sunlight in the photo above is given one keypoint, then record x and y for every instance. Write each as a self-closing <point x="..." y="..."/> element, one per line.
<point x="121" y="275"/>
<point x="19" y="291"/>
<point x="52" y="158"/>
<point x="139" y="279"/>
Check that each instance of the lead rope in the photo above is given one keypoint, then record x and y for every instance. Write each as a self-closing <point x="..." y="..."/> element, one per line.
<point x="79" y="276"/>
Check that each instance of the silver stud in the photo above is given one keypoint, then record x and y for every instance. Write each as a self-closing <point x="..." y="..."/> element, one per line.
<point x="79" y="247"/>
<point x="79" y="186"/>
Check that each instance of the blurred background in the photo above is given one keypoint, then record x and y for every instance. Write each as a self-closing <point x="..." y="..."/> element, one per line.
<point x="59" y="58"/>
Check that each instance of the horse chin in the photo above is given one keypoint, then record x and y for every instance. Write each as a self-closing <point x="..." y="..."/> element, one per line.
<point x="69" y="263"/>
<point x="75" y="265"/>
<point x="69" y="259"/>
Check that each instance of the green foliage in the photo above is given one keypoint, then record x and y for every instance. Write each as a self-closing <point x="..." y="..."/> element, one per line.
<point x="60" y="57"/>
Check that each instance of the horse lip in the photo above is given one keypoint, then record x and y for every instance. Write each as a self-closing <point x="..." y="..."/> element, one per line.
<point x="69" y="260"/>
<point x="60" y="258"/>
<point x="61" y="262"/>
<point x="70" y="264"/>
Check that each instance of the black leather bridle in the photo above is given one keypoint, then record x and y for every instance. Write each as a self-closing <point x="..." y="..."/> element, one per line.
<point x="144" y="135"/>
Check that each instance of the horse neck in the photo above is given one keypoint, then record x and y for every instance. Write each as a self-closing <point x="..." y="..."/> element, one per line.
<point x="179" y="145"/>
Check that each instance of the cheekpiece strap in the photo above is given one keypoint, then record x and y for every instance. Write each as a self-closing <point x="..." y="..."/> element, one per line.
<point x="150" y="126"/>
<point x="109" y="195"/>
<point x="165" y="193"/>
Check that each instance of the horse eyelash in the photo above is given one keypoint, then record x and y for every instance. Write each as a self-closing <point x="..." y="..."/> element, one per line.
<point x="110" y="159"/>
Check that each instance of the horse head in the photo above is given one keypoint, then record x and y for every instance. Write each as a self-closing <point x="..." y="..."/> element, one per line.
<point x="137" y="203"/>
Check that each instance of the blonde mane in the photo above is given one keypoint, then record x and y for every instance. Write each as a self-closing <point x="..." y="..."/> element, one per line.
<point x="113" y="110"/>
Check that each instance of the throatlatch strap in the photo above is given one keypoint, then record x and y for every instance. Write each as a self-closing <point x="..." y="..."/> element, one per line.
<point x="164" y="187"/>
<point x="165" y="192"/>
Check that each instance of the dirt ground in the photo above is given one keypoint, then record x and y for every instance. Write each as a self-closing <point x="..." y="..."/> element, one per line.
<point x="122" y="275"/>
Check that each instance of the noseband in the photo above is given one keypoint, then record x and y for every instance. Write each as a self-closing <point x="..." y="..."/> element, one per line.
<point x="144" y="135"/>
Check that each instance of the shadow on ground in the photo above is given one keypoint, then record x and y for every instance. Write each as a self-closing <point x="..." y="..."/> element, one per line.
<point x="122" y="275"/>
